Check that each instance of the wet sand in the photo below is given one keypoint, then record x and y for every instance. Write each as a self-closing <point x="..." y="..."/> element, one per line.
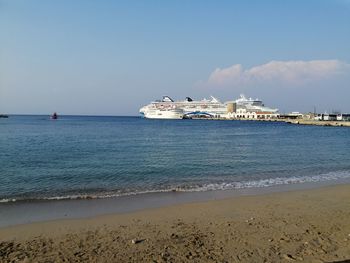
<point x="306" y="225"/>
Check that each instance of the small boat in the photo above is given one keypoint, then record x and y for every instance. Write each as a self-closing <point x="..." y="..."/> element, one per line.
<point x="3" y="116"/>
<point x="54" y="116"/>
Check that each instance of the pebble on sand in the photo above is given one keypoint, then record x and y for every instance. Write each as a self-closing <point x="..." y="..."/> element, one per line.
<point x="136" y="241"/>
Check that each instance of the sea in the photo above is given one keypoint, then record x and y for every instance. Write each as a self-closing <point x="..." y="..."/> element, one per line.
<point x="97" y="157"/>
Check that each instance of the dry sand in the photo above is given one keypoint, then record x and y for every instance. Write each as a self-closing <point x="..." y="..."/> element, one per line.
<point x="309" y="225"/>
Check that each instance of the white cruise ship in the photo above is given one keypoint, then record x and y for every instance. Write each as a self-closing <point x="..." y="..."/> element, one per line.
<point x="188" y="108"/>
<point x="155" y="111"/>
<point x="252" y="105"/>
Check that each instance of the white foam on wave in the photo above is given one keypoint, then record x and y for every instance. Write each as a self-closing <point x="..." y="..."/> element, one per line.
<point x="202" y="188"/>
<point x="7" y="200"/>
<point x="271" y="182"/>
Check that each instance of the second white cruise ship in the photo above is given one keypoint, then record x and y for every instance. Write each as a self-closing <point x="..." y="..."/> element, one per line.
<point x="252" y="105"/>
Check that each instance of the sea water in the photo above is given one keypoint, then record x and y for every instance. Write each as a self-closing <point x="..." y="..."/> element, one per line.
<point x="97" y="157"/>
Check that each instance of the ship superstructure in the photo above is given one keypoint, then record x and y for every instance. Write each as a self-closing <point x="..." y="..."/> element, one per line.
<point x="252" y="105"/>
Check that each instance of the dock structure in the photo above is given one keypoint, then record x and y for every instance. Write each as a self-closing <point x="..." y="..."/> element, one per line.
<point x="293" y="118"/>
<point x="257" y="115"/>
<point x="236" y="111"/>
<point x="248" y="108"/>
<point x="320" y="123"/>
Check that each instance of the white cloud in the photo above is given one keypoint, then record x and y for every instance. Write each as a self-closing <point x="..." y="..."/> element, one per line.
<point x="285" y="72"/>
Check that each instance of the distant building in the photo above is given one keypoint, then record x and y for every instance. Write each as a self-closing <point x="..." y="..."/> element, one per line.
<point x="257" y="115"/>
<point x="293" y="115"/>
<point x="332" y="117"/>
<point x="248" y="108"/>
<point x="343" y="117"/>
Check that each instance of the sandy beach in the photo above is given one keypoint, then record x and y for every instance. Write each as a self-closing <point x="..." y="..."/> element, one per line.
<point x="305" y="225"/>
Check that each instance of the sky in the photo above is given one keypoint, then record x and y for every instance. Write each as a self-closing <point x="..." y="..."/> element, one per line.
<point x="112" y="57"/>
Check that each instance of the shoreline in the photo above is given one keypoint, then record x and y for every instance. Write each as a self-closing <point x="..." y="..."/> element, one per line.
<point x="33" y="211"/>
<point x="300" y="225"/>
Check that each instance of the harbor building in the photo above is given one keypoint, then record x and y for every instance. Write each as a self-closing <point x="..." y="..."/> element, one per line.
<point x="333" y="117"/>
<point x="244" y="108"/>
<point x="291" y="116"/>
<point x="343" y="117"/>
<point x="257" y="115"/>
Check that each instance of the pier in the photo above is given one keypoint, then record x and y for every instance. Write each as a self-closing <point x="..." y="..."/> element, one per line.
<point x="290" y="121"/>
<point x="320" y="123"/>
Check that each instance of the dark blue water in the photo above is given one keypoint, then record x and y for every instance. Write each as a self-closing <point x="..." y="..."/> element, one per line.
<point x="75" y="156"/>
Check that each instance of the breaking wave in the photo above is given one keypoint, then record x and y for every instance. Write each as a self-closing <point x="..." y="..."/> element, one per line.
<point x="331" y="176"/>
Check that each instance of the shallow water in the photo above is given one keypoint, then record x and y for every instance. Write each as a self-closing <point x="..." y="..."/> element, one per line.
<point x="78" y="157"/>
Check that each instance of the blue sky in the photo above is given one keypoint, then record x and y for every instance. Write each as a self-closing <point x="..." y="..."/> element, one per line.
<point x="112" y="57"/>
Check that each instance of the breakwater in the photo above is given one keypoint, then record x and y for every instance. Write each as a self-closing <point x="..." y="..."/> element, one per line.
<point x="291" y="121"/>
<point x="320" y="123"/>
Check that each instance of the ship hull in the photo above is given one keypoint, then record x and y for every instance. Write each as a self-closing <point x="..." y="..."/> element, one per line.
<point x="158" y="114"/>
